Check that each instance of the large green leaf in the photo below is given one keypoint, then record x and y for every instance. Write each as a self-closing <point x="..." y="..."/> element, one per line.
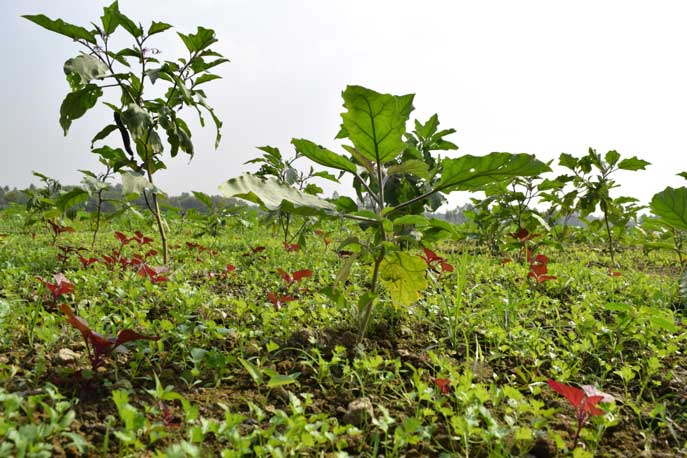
<point x="403" y="276"/>
<point x="470" y="173"/>
<point x="271" y="194"/>
<point x="63" y="28"/>
<point x="77" y="103"/>
<point x="138" y="121"/>
<point x="375" y="122"/>
<point x="71" y="198"/>
<point x="88" y="67"/>
<point x="322" y="156"/>
<point x="671" y="206"/>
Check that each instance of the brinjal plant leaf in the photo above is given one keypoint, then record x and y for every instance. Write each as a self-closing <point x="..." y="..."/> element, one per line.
<point x="77" y="103"/>
<point x="671" y="206"/>
<point x="403" y="276"/>
<point x="135" y="183"/>
<point x="271" y="194"/>
<point x="633" y="163"/>
<point x="375" y="122"/>
<point x="63" y="28"/>
<point x="413" y="167"/>
<point x="470" y="173"/>
<point x="88" y="67"/>
<point x="322" y="155"/>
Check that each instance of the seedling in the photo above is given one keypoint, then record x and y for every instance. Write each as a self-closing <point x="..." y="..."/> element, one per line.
<point x="584" y="403"/>
<point x="97" y="346"/>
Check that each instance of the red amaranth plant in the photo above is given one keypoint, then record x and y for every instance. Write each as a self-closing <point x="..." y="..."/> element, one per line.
<point x="583" y="400"/>
<point x="539" y="268"/>
<point x="432" y="259"/>
<point x="97" y="346"/>
<point x="60" y="287"/>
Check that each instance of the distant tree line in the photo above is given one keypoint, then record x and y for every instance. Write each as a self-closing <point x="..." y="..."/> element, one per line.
<point x="183" y="202"/>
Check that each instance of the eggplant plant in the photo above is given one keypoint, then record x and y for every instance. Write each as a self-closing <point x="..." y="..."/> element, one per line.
<point x="593" y="182"/>
<point x="373" y="127"/>
<point x="138" y="117"/>
<point x="274" y="164"/>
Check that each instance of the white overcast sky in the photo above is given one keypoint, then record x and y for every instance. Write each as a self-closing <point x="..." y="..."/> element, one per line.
<point x="540" y="77"/>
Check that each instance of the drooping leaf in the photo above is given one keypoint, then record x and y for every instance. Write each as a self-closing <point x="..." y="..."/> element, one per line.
<point x="63" y="28"/>
<point x="322" y="155"/>
<point x="403" y="276"/>
<point x="135" y="183"/>
<point x="77" y="103"/>
<point x="470" y="173"/>
<point x="671" y="206"/>
<point x="271" y="194"/>
<point x="204" y="198"/>
<point x="88" y="67"/>
<point x="107" y="130"/>
<point x="375" y="122"/>
<point x="138" y="121"/>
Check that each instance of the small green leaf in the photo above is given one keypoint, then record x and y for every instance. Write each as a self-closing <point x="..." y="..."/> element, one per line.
<point x="205" y="78"/>
<point x="198" y="41"/>
<point x="63" y="28"/>
<point x="568" y="161"/>
<point x="277" y="379"/>
<point x="157" y="27"/>
<point x="413" y="167"/>
<point x="612" y="157"/>
<point x="107" y="130"/>
<point x="253" y="371"/>
<point x="633" y="164"/>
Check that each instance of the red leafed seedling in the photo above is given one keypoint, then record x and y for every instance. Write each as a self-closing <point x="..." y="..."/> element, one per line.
<point x="123" y="239"/>
<point x="97" y="346"/>
<point x="58" y="229"/>
<point x="539" y="268"/>
<point x="278" y="299"/>
<point x="60" y="287"/>
<point x="295" y="276"/>
<point x="85" y="262"/>
<point x="433" y="260"/>
<point x="443" y="384"/>
<point x="254" y="250"/>
<point x="523" y="236"/>
<point x="584" y="404"/>
<point x="141" y="239"/>
<point x="290" y="247"/>
<point x="154" y="274"/>
<point x="224" y="273"/>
